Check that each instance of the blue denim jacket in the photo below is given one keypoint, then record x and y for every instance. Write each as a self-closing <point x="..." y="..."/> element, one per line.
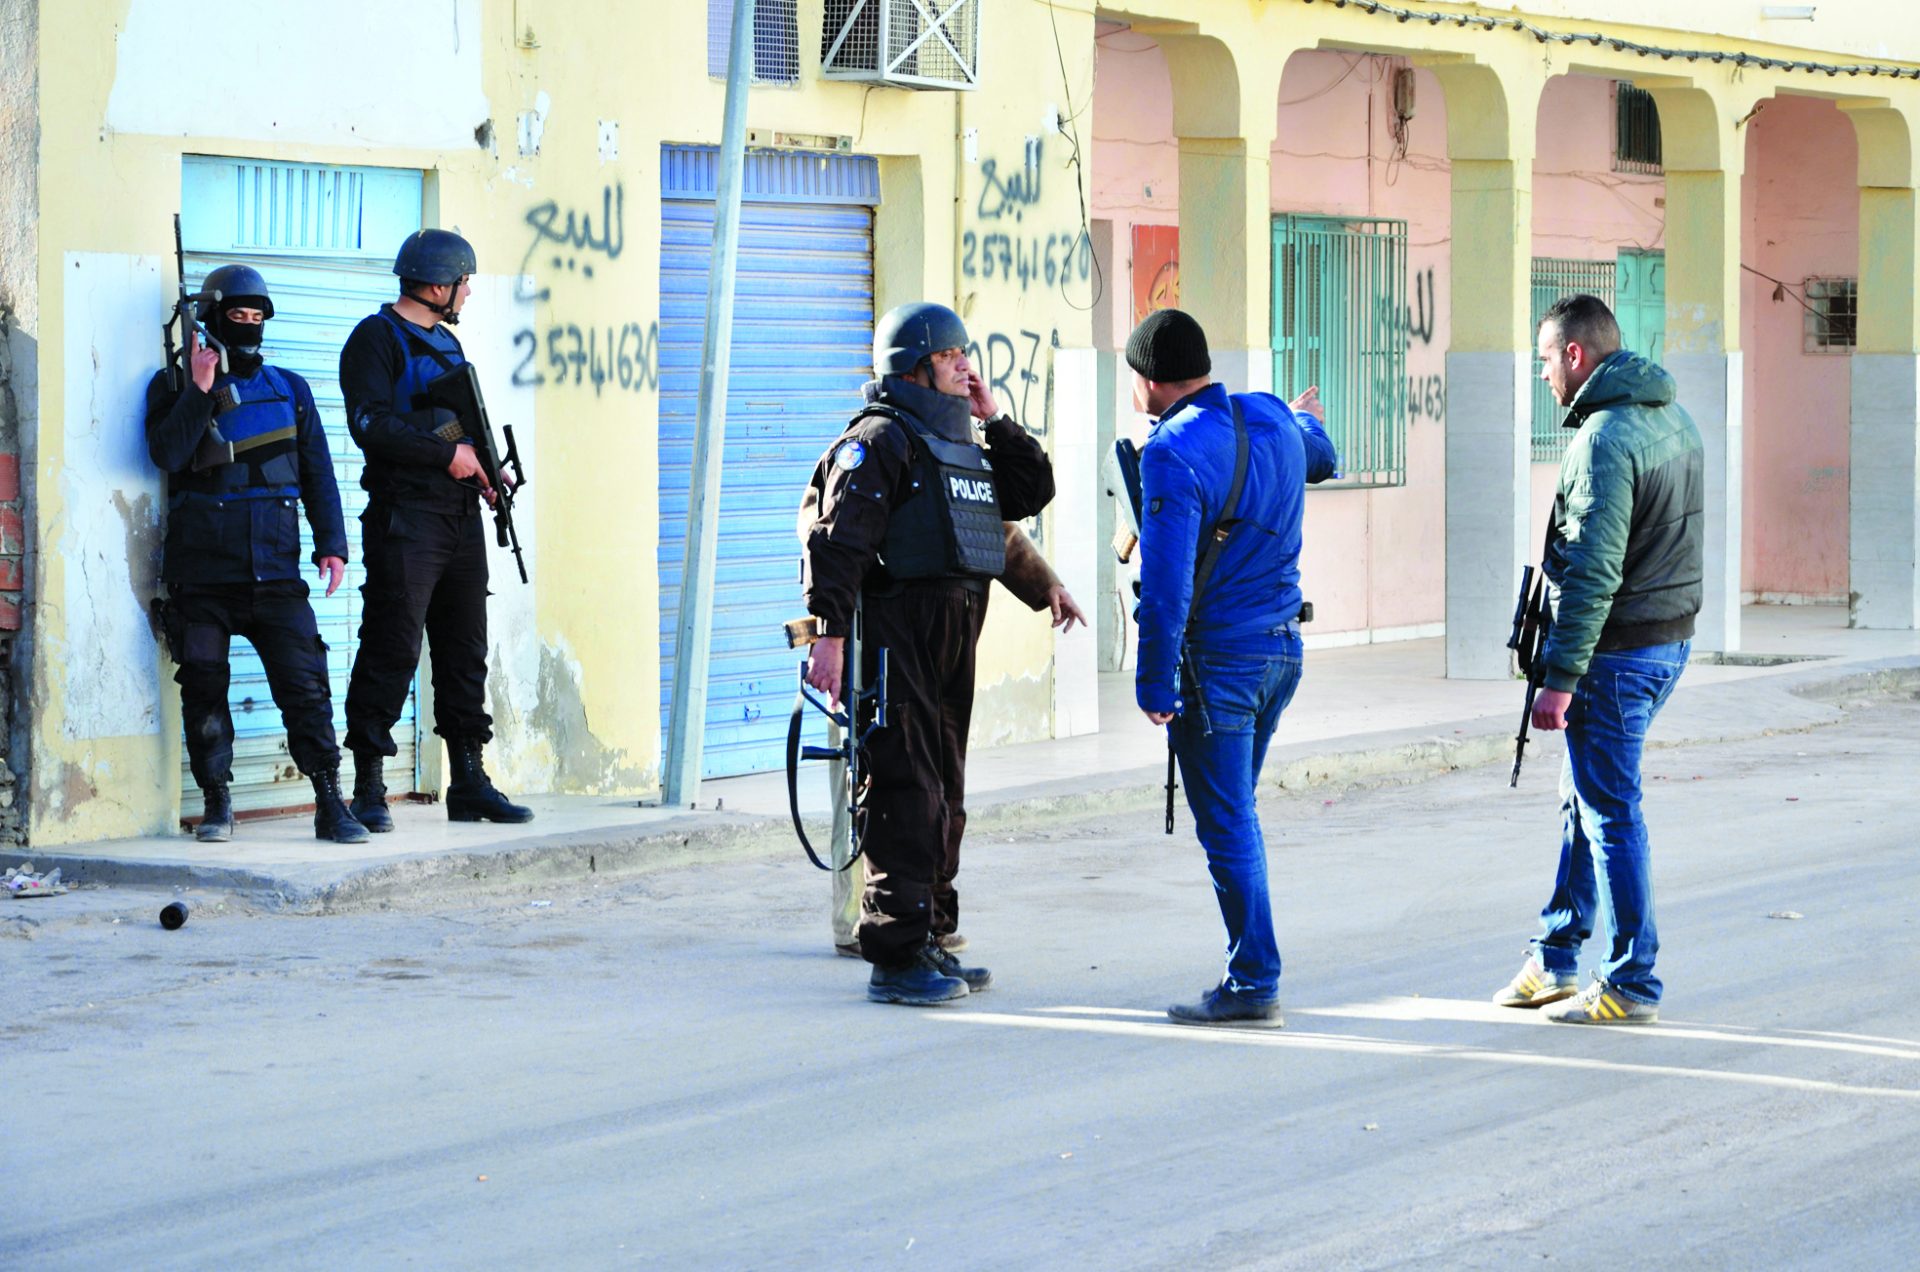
<point x="1186" y="472"/>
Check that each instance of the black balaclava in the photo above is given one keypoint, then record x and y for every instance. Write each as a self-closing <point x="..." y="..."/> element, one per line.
<point x="242" y="340"/>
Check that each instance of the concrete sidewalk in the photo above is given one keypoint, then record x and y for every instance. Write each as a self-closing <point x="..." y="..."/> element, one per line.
<point x="1363" y="714"/>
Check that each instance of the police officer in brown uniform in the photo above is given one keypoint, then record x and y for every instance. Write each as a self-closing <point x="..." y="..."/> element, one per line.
<point x="907" y="509"/>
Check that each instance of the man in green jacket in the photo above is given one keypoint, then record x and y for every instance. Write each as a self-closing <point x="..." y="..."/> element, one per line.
<point x="1624" y="571"/>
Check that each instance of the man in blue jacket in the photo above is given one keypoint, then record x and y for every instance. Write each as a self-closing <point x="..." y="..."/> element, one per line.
<point x="243" y="449"/>
<point x="1220" y="641"/>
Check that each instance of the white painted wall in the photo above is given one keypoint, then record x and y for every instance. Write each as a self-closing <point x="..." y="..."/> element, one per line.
<point x="424" y="54"/>
<point x="521" y="757"/>
<point x="1071" y="541"/>
<point x="110" y="664"/>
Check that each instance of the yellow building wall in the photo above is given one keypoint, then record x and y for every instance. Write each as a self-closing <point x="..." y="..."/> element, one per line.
<point x="575" y="676"/>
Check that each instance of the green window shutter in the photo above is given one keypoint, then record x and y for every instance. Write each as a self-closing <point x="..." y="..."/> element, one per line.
<point x="1340" y="321"/>
<point x="1554" y="277"/>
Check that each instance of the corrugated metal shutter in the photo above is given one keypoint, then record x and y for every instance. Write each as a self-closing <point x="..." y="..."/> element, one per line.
<point x="802" y="347"/>
<point x="324" y="239"/>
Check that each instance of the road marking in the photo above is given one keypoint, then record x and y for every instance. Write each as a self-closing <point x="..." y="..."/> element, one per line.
<point x="1476" y="1012"/>
<point x="1302" y="1041"/>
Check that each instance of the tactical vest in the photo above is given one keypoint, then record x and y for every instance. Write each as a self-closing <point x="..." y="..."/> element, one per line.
<point x="949" y="524"/>
<point x="236" y="520"/>
<point x="430" y="355"/>
<point x="258" y="417"/>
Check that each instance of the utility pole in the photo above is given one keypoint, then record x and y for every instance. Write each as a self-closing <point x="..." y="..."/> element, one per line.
<point x="686" y="730"/>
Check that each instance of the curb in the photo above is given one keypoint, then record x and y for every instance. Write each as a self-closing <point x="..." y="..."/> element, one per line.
<point x="1793" y="701"/>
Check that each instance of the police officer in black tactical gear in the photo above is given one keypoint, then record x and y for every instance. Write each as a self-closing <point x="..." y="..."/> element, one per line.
<point x="241" y="448"/>
<point x="421" y="535"/>
<point x="906" y="509"/>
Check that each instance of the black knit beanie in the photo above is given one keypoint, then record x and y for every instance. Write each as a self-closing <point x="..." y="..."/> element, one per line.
<point x="1168" y="346"/>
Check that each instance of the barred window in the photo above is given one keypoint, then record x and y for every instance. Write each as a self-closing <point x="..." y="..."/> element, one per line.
<point x="1636" y="130"/>
<point x="776" y="40"/>
<point x="1553" y="278"/>
<point x="1340" y="321"/>
<point x="1830" y="321"/>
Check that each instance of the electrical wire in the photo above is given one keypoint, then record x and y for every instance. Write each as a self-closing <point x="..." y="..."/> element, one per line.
<point x="1618" y="45"/>
<point x="1072" y="133"/>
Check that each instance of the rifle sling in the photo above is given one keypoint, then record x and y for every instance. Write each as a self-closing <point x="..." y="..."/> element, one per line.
<point x="1222" y="530"/>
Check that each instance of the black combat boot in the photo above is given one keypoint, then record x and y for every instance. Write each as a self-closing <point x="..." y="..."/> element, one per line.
<point x="919" y="983"/>
<point x="369" y="806"/>
<point x="331" y="818"/>
<point x="471" y="795"/>
<point x="216" y="826"/>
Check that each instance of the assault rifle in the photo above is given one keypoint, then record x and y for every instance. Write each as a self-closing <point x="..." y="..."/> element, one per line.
<point x="180" y="359"/>
<point x="845" y="737"/>
<point x="1532" y="620"/>
<point x="459" y="391"/>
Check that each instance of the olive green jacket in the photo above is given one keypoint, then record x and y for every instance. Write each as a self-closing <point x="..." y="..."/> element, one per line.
<point x="1623" y="554"/>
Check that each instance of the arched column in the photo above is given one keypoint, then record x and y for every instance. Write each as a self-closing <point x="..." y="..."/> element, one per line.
<point x="1704" y="162"/>
<point x="1490" y="142"/>
<point x="1883" y="516"/>
<point x="1224" y="112"/>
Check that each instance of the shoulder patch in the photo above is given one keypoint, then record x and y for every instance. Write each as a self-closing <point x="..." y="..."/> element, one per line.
<point x="849" y="455"/>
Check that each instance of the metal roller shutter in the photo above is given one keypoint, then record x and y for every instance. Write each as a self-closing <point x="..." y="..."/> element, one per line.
<point x="324" y="239"/>
<point x="802" y="347"/>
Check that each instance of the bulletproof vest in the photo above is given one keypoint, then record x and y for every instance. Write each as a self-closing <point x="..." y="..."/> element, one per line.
<point x="257" y="416"/>
<point x="430" y="355"/>
<point x="949" y="524"/>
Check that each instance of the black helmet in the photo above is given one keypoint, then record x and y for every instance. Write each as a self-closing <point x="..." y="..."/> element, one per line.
<point x="906" y="334"/>
<point x="235" y="283"/>
<point x="438" y="257"/>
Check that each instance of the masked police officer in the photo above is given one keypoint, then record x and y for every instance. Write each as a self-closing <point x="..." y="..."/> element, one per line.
<point x="906" y="510"/>
<point x="421" y="535"/>
<point x="240" y="448"/>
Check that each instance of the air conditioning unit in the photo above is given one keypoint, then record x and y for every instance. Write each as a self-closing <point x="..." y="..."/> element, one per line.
<point x="903" y="43"/>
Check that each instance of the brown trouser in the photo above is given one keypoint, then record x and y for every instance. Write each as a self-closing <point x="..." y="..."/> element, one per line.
<point x="913" y="810"/>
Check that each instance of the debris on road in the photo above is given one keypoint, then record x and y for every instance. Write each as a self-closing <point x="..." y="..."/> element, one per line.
<point x="22" y="882"/>
<point x="1786" y="914"/>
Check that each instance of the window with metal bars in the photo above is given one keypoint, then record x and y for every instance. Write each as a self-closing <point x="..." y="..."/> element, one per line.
<point x="1340" y="321"/>
<point x="776" y="40"/>
<point x="1554" y="277"/>
<point x="1831" y="320"/>
<point x="1636" y="130"/>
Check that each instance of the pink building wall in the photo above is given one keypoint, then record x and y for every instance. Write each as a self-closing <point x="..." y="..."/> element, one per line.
<point x="1584" y="210"/>
<point x="1374" y="560"/>
<point x="1800" y="206"/>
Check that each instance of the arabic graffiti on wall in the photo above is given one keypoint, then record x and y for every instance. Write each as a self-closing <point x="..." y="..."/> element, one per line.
<point x="577" y="244"/>
<point x="1018" y="368"/>
<point x="1004" y="249"/>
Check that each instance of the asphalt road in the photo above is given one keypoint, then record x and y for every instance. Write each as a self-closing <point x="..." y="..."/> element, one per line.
<point x="674" y="1071"/>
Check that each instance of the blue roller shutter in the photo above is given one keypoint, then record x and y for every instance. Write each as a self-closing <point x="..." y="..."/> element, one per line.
<point x="324" y="238"/>
<point x="802" y="347"/>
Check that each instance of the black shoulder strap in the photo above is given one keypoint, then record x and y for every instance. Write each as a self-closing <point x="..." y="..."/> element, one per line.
<point x="1223" y="528"/>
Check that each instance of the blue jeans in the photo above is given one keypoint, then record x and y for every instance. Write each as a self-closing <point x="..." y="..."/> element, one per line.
<point x="1604" y="866"/>
<point x="1221" y="740"/>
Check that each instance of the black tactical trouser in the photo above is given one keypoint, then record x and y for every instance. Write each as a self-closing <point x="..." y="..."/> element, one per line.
<point x="426" y="573"/>
<point x="274" y="617"/>
<point x="913" y="811"/>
